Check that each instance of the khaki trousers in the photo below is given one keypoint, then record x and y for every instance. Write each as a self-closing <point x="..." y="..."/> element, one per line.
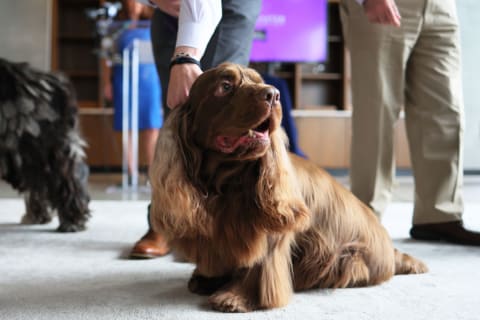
<point x="416" y="66"/>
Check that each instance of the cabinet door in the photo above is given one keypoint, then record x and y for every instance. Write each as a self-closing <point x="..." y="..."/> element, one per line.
<point x="74" y="51"/>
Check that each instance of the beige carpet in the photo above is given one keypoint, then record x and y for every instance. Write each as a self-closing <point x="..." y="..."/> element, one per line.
<point x="47" y="275"/>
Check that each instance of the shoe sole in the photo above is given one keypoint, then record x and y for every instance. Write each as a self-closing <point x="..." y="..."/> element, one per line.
<point x="142" y="256"/>
<point x="427" y="236"/>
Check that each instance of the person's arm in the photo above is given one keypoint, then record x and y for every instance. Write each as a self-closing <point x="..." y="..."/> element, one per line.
<point x="171" y="7"/>
<point x="198" y="20"/>
<point x="381" y="11"/>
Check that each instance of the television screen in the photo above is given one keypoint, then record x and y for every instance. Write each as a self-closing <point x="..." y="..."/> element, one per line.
<point x="291" y="31"/>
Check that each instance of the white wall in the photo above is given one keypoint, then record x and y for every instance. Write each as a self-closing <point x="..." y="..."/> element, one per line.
<point x="25" y="31"/>
<point x="469" y="15"/>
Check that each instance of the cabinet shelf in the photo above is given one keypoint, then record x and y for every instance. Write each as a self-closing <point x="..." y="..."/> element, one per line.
<point x="284" y="74"/>
<point x="86" y="105"/>
<point x="73" y="50"/>
<point x="322" y="76"/>
<point x="323" y="86"/>
<point x="91" y="108"/>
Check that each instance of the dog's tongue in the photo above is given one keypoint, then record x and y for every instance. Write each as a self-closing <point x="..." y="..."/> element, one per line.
<point x="227" y="144"/>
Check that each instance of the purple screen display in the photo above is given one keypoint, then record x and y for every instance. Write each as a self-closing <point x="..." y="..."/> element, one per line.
<point x="291" y="31"/>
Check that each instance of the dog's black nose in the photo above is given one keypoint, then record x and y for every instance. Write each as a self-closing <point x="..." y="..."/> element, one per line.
<point x="271" y="95"/>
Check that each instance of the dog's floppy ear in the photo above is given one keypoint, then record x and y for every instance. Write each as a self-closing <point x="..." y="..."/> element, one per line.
<point x="175" y="207"/>
<point x="190" y="152"/>
<point x="278" y="191"/>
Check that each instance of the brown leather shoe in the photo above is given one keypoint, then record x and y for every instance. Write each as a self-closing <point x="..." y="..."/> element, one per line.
<point x="452" y="232"/>
<point x="151" y="245"/>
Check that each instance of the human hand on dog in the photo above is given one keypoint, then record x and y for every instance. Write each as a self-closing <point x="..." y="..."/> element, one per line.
<point x="182" y="77"/>
<point x="382" y="12"/>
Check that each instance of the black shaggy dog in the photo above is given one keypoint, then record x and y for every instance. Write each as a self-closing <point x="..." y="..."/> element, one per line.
<point x="41" y="151"/>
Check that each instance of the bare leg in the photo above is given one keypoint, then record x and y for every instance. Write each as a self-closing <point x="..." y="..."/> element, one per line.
<point x="149" y="139"/>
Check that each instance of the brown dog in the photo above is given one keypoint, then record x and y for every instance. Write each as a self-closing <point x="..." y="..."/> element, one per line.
<point x="257" y="221"/>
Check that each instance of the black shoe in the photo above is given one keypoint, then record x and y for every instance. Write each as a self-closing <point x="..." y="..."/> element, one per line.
<point x="452" y="232"/>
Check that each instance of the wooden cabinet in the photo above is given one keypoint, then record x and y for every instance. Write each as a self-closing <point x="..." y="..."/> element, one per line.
<point x="321" y="98"/>
<point x="319" y="86"/>
<point x="322" y="102"/>
<point x="73" y="52"/>
<point x="320" y="92"/>
<point x="325" y="86"/>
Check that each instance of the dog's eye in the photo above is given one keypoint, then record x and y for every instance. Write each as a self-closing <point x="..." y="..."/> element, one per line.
<point x="224" y="88"/>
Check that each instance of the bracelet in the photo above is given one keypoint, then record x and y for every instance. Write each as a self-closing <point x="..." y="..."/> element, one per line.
<point x="183" y="58"/>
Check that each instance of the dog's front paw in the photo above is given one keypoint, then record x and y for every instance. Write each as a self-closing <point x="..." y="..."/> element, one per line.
<point x="406" y="264"/>
<point x="34" y="219"/>
<point x="206" y="285"/>
<point x="227" y="301"/>
<point x="69" y="227"/>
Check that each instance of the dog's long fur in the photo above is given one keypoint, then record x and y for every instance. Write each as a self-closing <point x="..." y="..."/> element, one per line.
<point x="257" y="221"/>
<point x="41" y="151"/>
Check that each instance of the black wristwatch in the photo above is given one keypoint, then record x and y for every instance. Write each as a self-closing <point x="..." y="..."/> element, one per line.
<point x="182" y="58"/>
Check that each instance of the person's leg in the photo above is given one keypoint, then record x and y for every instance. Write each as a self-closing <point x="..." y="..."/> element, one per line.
<point x="378" y="60"/>
<point x="233" y="37"/>
<point x="149" y="138"/>
<point x="129" y="150"/>
<point x="434" y="118"/>
<point x="151" y="245"/>
<point x="163" y="33"/>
